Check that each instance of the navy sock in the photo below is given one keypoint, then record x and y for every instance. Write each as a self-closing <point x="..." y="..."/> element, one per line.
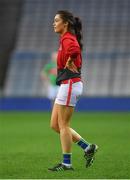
<point x="83" y="144"/>
<point x="67" y="159"/>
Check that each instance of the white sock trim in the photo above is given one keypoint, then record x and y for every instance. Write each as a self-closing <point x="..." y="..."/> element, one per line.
<point x="68" y="165"/>
<point x="87" y="148"/>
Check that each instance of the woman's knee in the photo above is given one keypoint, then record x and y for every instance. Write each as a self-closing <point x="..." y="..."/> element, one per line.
<point x="54" y="127"/>
<point x="63" y="126"/>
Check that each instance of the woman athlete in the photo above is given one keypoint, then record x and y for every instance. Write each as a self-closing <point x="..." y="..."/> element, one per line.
<point x="69" y="62"/>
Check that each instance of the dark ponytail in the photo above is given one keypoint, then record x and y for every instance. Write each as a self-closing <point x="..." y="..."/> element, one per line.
<point x="78" y="31"/>
<point x="74" y="24"/>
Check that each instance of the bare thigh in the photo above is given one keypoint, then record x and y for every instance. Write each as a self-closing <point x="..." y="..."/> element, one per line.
<point x="54" y="118"/>
<point x="64" y="115"/>
<point x="57" y="120"/>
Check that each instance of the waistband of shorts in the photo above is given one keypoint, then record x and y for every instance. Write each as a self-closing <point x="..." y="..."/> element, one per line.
<point x="73" y="80"/>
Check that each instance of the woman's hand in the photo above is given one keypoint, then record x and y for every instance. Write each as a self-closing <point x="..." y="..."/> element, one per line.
<point x="71" y="66"/>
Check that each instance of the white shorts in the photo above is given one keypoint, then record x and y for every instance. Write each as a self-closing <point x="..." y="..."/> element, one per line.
<point x="68" y="94"/>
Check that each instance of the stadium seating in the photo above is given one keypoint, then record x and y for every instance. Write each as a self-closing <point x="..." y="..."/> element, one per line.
<point x="106" y="54"/>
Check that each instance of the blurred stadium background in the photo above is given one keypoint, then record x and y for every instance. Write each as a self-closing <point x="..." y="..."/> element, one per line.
<point x="27" y="40"/>
<point x="26" y="43"/>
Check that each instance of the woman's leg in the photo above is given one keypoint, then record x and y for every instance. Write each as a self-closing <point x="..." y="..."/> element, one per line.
<point x="55" y="126"/>
<point x="54" y="119"/>
<point x="63" y="128"/>
<point x="64" y="117"/>
<point x="60" y="118"/>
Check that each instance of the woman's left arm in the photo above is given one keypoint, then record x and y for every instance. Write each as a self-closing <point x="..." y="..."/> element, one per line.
<point x="70" y="65"/>
<point x="72" y="50"/>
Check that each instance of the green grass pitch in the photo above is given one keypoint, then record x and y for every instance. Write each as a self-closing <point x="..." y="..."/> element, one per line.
<point x="28" y="146"/>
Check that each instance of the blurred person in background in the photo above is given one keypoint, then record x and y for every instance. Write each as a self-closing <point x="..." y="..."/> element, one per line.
<point x="69" y="64"/>
<point x="48" y="76"/>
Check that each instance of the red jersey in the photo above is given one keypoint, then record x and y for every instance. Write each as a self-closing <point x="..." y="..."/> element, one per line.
<point x="69" y="47"/>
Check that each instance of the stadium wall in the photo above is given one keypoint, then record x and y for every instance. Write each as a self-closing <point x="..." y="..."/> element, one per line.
<point x="85" y="104"/>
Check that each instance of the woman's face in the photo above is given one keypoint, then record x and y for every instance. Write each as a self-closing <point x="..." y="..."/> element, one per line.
<point x="59" y="25"/>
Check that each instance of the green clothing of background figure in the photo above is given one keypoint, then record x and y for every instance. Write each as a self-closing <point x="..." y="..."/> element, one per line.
<point x="51" y="72"/>
<point x="48" y="75"/>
